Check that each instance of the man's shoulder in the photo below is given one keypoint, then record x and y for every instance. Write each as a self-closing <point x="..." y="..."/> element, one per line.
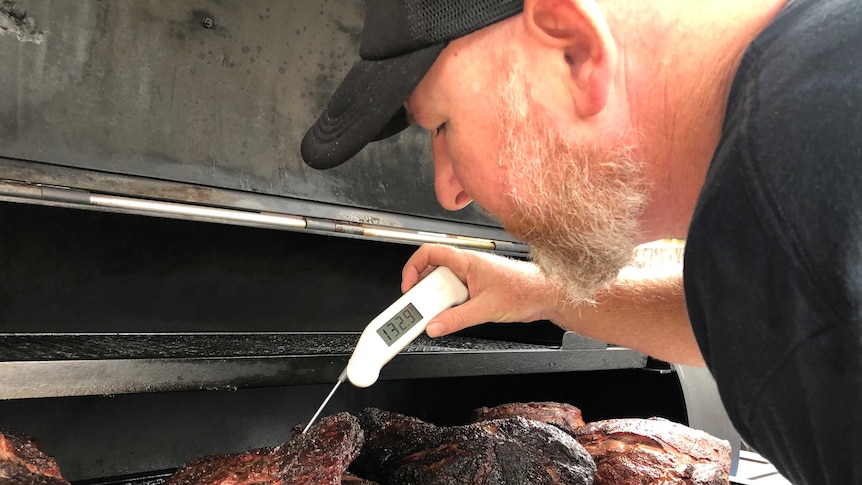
<point x="798" y="110"/>
<point x="792" y="149"/>
<point x="795" y="113"/>
<point x="773" y="264"/>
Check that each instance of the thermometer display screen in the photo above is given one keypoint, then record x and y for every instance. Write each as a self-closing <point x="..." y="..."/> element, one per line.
<point x="399" y="324"/>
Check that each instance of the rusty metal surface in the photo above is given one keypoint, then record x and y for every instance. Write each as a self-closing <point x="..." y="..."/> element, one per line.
<point x="207" y="92"/>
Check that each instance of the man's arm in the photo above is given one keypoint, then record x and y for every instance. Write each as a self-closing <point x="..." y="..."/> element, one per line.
<point x="646" y="313"/>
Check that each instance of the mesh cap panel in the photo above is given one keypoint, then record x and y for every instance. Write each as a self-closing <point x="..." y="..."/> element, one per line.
<point x="432" y="21"/>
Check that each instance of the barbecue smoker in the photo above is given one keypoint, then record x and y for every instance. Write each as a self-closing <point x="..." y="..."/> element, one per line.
<point x="175" y="282"/>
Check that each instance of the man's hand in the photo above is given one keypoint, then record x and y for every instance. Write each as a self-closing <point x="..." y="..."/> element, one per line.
<point x="644" y="312"/>
<point x="501" y="289"/>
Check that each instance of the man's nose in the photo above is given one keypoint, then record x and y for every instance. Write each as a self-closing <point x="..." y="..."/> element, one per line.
<point x="450" y="194"/>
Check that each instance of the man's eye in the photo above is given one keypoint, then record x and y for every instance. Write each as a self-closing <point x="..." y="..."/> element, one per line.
<point x="440" y="129"/>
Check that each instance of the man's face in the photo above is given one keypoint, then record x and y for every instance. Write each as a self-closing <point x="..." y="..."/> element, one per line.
<point x="576" y="204"/>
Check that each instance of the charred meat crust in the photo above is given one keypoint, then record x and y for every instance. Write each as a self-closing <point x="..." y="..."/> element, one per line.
<point x="389" y="438"/>
<point x="23" y="461"/>
<point x="404" y="450"/>
<point x="318" y="457"/>
<point x="564" y="416"/>
<point x="654" y="451"/>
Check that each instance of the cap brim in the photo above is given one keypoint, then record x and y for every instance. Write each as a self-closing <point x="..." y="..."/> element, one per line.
<point x="367" y="106"/>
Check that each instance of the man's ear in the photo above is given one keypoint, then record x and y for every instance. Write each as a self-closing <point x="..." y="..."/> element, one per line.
<point x="579" y="30"/>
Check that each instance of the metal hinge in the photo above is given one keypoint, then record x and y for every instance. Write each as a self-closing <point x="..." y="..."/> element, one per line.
<point x="73" y="196"/>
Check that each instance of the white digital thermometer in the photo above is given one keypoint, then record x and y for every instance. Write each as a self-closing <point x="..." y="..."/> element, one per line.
<point x="397" y="326"/>
<point x="402" y="322"/>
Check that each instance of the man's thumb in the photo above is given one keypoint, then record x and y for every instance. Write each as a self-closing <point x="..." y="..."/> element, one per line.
<point x="452" y="320"/>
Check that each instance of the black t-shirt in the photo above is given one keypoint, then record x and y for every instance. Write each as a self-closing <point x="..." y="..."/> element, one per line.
<point x="773" y="263"/>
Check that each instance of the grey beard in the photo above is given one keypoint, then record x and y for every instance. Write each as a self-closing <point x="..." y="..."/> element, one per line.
<point x="577" y="206"/>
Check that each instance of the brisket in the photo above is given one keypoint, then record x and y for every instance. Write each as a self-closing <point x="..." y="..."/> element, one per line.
<point x="564" y="416"/>
<point x="404" y="450"/>
<point x="22" y="461"/>
<point x="318" y="457"/>
<point x="513" y="444"/>
<point x="654" y="451"/>
<point x="389" y="438"/>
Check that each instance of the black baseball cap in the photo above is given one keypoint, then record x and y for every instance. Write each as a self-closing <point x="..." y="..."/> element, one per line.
<point x="400" y="42"/>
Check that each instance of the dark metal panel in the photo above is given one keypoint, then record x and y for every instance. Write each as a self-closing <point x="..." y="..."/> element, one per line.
<point x="145" y="88"/>
<point x="65" y="270"/>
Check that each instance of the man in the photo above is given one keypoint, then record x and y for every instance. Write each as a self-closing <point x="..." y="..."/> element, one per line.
<point x="589" y="126"/>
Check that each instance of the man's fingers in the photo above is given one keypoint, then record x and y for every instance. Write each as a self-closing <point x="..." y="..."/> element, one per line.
<point x="456" y="318"/>
<point x="413" y="268"/>
<point x="411" y="274"/>
<point x="501" y="290"/>
<point x="426" y="258"/>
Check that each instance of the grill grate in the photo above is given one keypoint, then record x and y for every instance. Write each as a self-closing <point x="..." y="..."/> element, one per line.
<point x="56" y="365"/>
<point x="52" y="347"/>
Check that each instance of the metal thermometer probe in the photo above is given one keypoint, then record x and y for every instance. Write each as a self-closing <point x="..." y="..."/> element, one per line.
<point x="397" y="326"/>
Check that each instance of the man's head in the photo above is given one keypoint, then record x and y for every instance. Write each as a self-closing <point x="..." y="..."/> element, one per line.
<point x="525" y="119"/>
